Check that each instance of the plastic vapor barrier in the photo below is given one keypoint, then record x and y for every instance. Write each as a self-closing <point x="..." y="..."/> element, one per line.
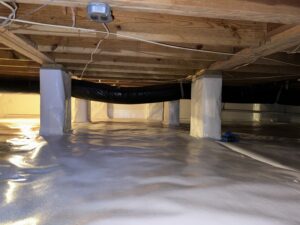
<point x="141" y="174"/>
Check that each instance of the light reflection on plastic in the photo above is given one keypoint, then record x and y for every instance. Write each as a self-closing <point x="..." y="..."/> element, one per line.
<point x="27" y="131"/>
<point x="18" y="161"/>
<point x="24" y="125"/>
<point x="10" y="192"/>
<point x="27" y="221"/>
<point x="26" y="142"/>
<point x="37" y="149"/>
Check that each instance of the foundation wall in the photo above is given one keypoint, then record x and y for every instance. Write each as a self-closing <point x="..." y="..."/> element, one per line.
<point x="28" y="105"/>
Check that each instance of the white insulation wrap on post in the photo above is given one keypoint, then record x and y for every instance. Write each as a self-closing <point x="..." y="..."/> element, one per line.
<point x="155" y="111"/>
<point x="171" y="113"/>
<point x="55" y="90"/>
<point x="206" y="107"/>
<point x="82" y="111"/>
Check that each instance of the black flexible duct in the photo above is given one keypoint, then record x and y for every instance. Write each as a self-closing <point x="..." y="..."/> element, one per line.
<point x="132" y="95"/>
<point x="264" y="93"/>
<point x="270" y="93"/>
<point x="106" y="93"/>
<point x="18" y="85"/>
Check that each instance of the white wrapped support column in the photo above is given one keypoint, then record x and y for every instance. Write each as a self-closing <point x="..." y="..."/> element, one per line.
<point x="155" y="111"/>
<point x="171" y="113"/>
<point x="55" y="95"/>
<point x="82" y="111"/>
<point x="206" y="106"/>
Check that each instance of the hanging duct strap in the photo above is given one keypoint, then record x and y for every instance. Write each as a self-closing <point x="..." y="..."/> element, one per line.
<point x="181" y="90"/>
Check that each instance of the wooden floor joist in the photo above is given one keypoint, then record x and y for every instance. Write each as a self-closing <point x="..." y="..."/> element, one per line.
<point x="286" y="70"/>
<point x="243" y="38"/>
<point x="279" y="11"/>
<point x="14" y="42"/>
<point x="165" y="28"/>
<point x="276" y="43"/>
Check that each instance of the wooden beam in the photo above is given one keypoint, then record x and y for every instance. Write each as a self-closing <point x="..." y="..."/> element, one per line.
<point x="158" y="62"/>
<point x="126" y="69"/>
<point x="140" y="75"/>
<point x="247" y="78"/>
<point x="264" y="69"/>
<point x="262" y="76"/>
<point x="18" y="73"/>
<point x="130" y="83"/>
<point x="14" y="42"/>
<point x="19" y="69"/>
<point x="228" y="36"/>
<point x="125" y="48"/>
<point x="276" y="43"/>
<point x="141" y="52"/>
<point x="106" y="62"/>
<point x="140" y="78"/>
<point x="279" y="11"/>
<point x="87" y="45"/>
<point x="18" y="63"/>
<point x="96" y="75"/>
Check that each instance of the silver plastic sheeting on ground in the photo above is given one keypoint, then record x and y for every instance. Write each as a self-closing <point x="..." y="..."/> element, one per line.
<point x="133" y="173"/>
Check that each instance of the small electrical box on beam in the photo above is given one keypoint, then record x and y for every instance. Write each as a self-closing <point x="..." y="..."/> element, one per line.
<point x="99" y="12"/>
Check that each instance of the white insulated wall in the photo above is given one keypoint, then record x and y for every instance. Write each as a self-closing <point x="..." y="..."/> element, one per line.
<point x="99" y="111"/>
<point x="261" y="113"/>
<point x="29" y="105"/>
<point x="12" y="105"/>
<point x="152" y="111"/>
<point x="19" y="104"/>
<point x="121" y="111"/>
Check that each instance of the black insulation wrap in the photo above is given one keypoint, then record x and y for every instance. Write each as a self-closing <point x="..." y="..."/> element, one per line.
<point x="250" y="94"/>
<point x="19" y="85"/>
<point x="130" y="95"/>
<point x="268" y="93"/>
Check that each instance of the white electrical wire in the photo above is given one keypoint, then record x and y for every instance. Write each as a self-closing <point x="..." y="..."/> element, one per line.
<point x="173" y="46"/>
<point x="8" y="20"/>
<point x="295" y="50"/>
<point x="95" y="50"/>
<point x="73" y="16"/>
<point x="35" y="10"/>
<point x="91" y="58"/>
<point x="243" y="65"/>
<point x="106" y="29"/>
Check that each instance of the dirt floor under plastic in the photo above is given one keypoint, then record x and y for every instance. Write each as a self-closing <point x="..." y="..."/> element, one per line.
<point x="143" y="173"/>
